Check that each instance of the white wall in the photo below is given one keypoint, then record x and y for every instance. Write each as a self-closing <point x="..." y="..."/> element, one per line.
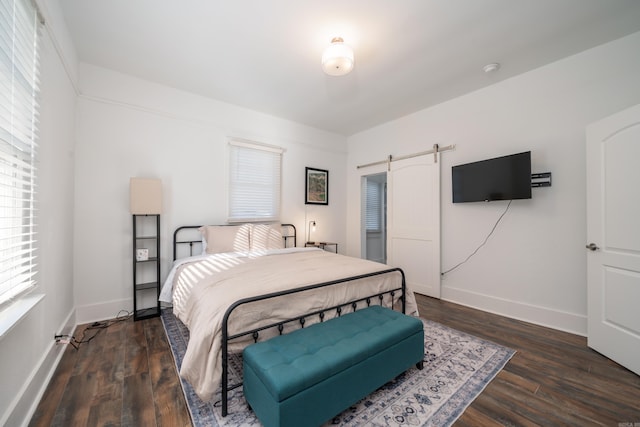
<point x="130" y="127"/>
<point x="27" y="353"/>
<point x="534" y="266"/>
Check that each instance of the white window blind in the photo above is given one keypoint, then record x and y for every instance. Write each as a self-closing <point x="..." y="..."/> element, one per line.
<point x="254" y="182"/>
<point x="19" y="42"/>
<point x="373" y="220"/>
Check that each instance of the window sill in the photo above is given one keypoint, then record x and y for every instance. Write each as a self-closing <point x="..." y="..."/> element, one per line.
<point x="16" y="311"/>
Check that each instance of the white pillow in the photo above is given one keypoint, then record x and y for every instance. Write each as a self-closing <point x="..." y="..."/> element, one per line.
<point x="225" y="238"/>
<point x="266" y="236"/>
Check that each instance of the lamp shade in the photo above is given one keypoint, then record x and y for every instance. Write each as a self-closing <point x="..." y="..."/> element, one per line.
<point x="145" y="196"/>
<point x="337" y="58"/>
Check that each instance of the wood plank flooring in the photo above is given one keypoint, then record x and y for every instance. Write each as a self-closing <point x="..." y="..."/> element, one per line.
<point x="125" y="377"/>
<point x="554" y="379"/>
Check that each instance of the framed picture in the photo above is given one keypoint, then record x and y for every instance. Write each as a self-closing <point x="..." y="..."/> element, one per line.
<point x="316" y="188"/>
<point x="142" y="254"/>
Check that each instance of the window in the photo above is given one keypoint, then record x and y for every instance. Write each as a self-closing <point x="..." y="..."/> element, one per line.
<point x="20" y="26"/>
<point x="254" y="181"/>
<point x="373" y="219"/>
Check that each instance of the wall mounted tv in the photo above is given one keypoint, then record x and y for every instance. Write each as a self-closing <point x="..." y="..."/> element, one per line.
<point x="500" y="178"/>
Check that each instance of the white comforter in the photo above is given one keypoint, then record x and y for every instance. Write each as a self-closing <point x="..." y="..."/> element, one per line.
<point x="202" y="288"/>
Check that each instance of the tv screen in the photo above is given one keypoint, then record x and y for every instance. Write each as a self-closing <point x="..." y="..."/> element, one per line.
<point x="500" y="178"/>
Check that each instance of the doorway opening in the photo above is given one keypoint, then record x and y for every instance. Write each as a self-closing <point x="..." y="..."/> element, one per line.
<point x="374" y="218"/>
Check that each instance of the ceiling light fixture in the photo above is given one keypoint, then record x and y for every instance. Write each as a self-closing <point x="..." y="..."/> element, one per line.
<point x="337" y="58"/>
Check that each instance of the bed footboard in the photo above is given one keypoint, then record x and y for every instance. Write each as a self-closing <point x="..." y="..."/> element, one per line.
<point x="376" y="299"/>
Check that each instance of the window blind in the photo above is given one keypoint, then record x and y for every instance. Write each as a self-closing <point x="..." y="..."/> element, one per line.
<point x="374" y="206"/>
<point x="20" y="27"/>
<point x="254" y="182"/>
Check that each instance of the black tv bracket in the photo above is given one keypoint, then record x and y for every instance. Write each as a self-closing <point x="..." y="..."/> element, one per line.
<point x="541" y="179"/>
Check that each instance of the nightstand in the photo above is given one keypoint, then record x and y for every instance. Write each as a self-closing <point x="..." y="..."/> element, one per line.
<point x="322" y="245"/>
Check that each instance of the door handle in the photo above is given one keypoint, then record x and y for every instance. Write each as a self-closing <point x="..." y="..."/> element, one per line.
<point x="592" y="247"/>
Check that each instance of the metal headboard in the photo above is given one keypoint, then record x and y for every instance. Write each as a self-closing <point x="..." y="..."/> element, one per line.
<point x="289" y="234"/>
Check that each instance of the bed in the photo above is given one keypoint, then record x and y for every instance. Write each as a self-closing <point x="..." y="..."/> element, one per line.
<point x="232" y="285"/>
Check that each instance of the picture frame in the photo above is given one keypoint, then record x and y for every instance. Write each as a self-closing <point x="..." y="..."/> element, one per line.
<point x="142" y="254"/>
<point x="316" y="187"/>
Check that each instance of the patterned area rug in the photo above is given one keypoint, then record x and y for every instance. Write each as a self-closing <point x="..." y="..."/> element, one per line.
<point x="457" y="368"/>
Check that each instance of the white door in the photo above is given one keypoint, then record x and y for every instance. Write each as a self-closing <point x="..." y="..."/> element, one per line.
<point x="613" y="237"/>
<point x="413" y="228"/>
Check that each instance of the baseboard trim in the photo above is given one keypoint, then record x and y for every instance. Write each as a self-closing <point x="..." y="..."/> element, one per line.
<point x="543" y="316"/>
<point x="102" y="311"/>
<point x="30" y="394"/>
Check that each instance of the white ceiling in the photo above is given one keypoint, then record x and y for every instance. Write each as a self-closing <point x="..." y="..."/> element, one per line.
<point x="409" y="54"/>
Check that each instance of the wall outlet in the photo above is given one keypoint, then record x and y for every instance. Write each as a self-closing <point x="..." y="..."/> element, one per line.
<point x="62" y="338"/>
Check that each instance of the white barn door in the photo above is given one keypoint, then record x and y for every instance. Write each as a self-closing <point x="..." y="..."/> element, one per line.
<point x="413" y="229"/>
<point x="613" y="237"/>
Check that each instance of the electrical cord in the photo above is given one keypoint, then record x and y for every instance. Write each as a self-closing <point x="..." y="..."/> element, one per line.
<point x="98" y="327"/>
<point x="482" y="244"/>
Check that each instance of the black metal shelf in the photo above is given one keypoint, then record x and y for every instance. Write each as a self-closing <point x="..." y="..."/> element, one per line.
<point x="147" y="260"/>
<point x="146" y="313"/>
<point x="147" y="285"/>
<point x="146" y="275"/>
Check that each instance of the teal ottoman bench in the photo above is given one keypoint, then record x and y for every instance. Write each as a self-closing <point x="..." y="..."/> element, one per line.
<point x="310" y="375"/>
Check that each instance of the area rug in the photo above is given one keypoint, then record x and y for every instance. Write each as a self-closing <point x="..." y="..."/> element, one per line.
<point x="457" y="367"/>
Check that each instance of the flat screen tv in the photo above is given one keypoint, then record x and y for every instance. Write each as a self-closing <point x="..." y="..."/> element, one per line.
<point x="500" y="178"/>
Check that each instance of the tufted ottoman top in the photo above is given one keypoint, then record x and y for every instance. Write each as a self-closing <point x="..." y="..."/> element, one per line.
<point x="296" y="361"/>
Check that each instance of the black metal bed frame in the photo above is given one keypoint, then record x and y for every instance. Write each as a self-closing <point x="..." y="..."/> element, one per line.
<point x="301" y="319"/>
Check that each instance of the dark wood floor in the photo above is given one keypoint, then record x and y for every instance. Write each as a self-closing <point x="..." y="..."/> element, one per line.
<point x="125" y="376"/>
<point x="554" y="379"/>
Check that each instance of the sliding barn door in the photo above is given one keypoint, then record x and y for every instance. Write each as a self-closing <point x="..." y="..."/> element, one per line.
<point x="413" y="234"/>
